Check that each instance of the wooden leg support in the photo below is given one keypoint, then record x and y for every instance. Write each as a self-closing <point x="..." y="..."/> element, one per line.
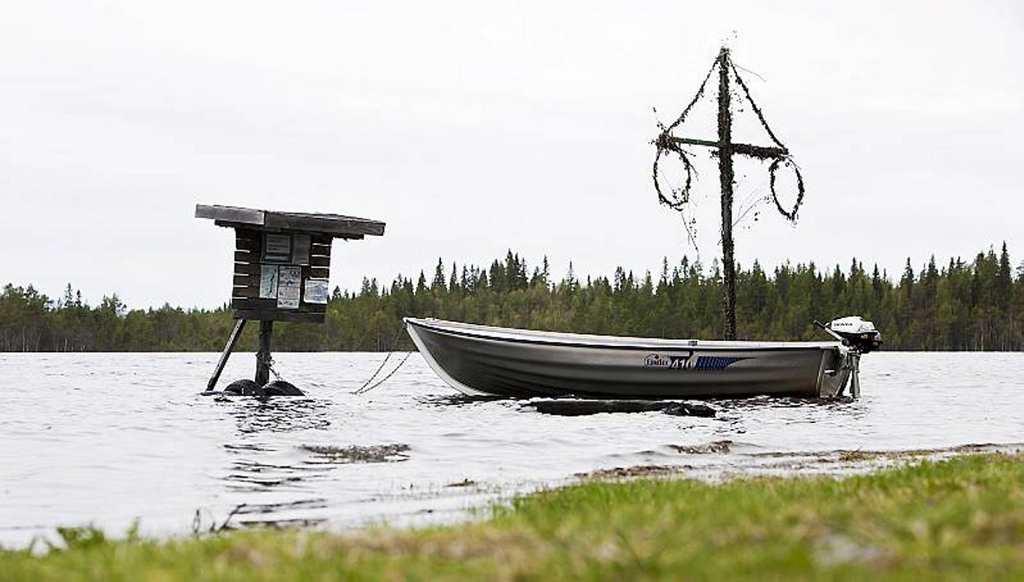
<point x="232" y="340"/>
<point x="263" y="358"/>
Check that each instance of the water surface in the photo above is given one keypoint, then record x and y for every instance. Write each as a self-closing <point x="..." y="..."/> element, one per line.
<point x="110" y="438"/>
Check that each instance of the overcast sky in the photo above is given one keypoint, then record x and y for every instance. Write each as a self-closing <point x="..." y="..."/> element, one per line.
<point x="475" y="127"/>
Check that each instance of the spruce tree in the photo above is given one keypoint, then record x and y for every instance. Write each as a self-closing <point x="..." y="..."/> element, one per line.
<point x="439" y="285"/>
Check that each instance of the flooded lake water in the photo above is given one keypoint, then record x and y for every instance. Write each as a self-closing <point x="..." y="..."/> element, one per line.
<point x="107" y="439"/>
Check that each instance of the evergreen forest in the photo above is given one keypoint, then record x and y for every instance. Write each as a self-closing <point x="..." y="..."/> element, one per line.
<point x="975" y="304"/>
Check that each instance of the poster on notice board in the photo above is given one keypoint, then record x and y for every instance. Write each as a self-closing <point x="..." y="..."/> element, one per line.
<point x="316" y="291"/>
<point x="289" y="282"/>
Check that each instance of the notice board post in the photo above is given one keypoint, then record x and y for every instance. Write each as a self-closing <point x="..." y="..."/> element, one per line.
<point x="282" y="264"/>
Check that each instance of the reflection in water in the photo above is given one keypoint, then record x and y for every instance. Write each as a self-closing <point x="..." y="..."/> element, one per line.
<point x="459" y="399"/>
<point x="738" y="417"/>
<point x="250" y="475"/>
<point x="768" y="402"/>
<point x="284" y="414"/>
<point x="293" y="471"/>
<point x="263" y="514"/>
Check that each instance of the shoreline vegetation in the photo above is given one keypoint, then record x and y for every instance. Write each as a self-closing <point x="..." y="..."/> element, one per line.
<point x="960" y="305"/>
<point x="957" y="518"/>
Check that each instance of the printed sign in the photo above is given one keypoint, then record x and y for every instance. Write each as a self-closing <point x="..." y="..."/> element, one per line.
<point x="289" y="287"/>
<point x="277" y="248"/>
<point x="316" y="291"/>
<point x="268" y="281"/>
<point x="300" y="249"/>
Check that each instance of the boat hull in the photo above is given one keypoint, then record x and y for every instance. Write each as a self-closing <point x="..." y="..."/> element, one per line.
<point x="520" y="363"/>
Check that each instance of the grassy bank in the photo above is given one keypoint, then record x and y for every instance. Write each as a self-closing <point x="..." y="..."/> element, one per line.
<point x="960" y="518"/>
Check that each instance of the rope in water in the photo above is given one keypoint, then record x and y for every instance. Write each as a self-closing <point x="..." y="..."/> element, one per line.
<point x="270" y="366"/>
<point x="366" y="387"/>
<point x="374" y="375"/>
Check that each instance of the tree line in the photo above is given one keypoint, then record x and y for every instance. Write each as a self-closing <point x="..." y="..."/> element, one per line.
<point x="958" y="305"/>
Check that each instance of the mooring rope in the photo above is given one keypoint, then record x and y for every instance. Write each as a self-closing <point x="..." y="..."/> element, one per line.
<point x="366" y="387"/>
<point x="374" y="375"/>
<point x="270" y="366"/>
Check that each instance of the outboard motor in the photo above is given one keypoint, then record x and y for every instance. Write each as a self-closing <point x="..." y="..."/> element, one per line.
<point x="859" y="337"/>
<point x="857" y="333"/>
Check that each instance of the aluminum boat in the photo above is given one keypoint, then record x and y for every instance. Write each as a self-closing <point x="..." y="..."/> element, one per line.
<point x="485" y="360"/>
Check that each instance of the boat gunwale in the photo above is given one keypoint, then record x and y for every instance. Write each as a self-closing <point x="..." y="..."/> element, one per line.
<point x="561" y="339"/>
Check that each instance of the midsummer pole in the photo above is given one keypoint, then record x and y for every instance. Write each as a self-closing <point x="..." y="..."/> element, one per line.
<point x="726" y="178"/>
<point x="724" y="148"/>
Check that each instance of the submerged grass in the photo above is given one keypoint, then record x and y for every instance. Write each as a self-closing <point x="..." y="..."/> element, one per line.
<point x="961" y="518"/>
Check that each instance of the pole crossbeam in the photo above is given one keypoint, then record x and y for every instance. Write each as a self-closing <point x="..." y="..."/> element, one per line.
<point x="760" y="152"/>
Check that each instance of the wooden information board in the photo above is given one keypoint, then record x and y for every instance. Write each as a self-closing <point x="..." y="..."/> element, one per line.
<point x="283" y="259"/>
<point x="281" y="276"/>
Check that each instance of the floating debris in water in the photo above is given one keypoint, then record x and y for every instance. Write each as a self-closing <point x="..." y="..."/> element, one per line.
<point x="857" y="455"/>
<point x="293" y="523"/>
<point x="633" y="472"/>
<point x="723" y="446"/>
<point x="256" y="508"/>
<point x="392" y="453"/>
<point x="464" y="483"/>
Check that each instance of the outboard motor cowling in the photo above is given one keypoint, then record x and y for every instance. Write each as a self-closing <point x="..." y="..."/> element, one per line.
<point x="856" y="332"/>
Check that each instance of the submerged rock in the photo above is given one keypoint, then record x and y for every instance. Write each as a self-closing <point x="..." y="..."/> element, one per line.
<point x="281" y="388"/>
<point x="247" y="387"/>
<point x="684" y="409"/>
<point x="570" y="407"/>
<point x="244" y="387"/>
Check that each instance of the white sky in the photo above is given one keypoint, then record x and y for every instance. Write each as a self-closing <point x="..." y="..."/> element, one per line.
<point x="475" y="127"/>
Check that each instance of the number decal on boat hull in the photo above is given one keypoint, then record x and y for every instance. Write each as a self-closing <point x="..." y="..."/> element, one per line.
<point x="688" y="362"/>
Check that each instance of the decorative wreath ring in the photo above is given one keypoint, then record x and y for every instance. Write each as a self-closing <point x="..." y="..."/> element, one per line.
<point x="789" y="214"/>
<point x="681" y="196"/>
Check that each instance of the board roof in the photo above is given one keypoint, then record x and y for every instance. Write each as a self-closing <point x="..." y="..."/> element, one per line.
<point x="335" y="225"/>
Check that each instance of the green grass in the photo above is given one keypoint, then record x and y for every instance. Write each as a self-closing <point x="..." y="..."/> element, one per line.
<point x="962" y="518"/>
